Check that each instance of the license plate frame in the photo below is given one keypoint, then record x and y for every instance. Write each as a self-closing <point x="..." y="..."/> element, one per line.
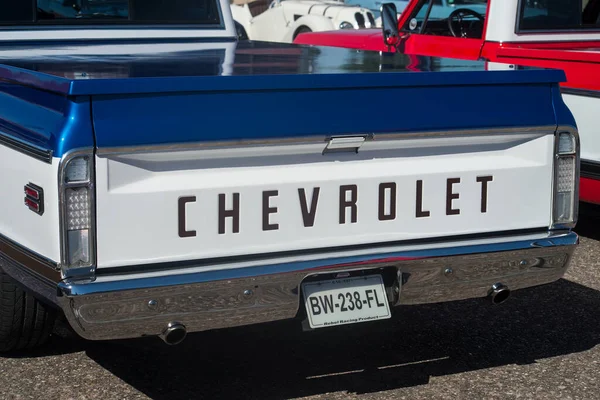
<point x="333" y="311"/>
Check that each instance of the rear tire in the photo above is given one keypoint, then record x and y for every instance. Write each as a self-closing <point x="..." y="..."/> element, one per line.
<point x="25" y="322"/>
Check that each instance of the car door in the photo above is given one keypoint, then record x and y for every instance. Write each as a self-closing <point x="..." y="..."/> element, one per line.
<point x="429" y="33"/>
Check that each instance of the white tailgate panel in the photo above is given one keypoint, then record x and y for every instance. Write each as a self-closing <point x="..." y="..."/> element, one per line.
<point x="137" y="196"/>
<point x="38" y="233"/>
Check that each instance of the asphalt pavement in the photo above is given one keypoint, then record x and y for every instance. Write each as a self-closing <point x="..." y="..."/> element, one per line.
<point x="541" y="344"/>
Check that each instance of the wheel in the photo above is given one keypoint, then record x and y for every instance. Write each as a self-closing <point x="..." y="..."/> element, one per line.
<point x="25" y="322"/>
<point x="302" y="29"/>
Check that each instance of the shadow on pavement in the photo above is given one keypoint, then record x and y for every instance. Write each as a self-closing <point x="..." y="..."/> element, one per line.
<point x="278" y="360"/>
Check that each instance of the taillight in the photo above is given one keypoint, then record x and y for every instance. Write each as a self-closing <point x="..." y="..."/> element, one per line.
<point x="566" y="180"/>
<point x="77" y="214"/>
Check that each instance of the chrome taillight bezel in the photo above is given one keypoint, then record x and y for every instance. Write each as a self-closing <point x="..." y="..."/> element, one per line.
<point x="81" y="269"/>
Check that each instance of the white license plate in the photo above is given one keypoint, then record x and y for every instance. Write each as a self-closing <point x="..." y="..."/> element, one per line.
<point x="345" y="301"/>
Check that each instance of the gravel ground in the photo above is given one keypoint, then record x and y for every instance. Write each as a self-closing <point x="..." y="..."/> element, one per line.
<point x="542" y="344"/>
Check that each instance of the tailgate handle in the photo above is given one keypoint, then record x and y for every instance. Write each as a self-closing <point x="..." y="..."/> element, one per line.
<point x="344" y="144"/>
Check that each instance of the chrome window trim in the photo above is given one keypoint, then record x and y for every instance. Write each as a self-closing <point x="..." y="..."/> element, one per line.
<point x="37" y="152"/>
<point x="225" y="144"/>
<point x="87" y="271"/>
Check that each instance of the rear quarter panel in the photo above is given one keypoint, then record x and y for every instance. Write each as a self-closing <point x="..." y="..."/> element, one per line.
<point x="38" y="233"/>
<point x="52" y="124"/>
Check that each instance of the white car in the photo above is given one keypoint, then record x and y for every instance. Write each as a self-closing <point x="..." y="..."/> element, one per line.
<point x="283" y="20"/>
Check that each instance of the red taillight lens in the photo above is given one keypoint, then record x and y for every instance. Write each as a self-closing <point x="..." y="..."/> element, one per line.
<point x="34" y="194"/>
<point x="34" y="198"/>
<point x="33" y="206"/>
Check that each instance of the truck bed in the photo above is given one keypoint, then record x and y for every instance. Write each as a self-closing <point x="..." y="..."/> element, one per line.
<point x="93" y="70"/>
<point x="53" y="75"/>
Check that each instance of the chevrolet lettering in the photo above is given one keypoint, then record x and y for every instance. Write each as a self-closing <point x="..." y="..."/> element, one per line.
<point x="162" y="176"/>
<point x="387" y="203"/>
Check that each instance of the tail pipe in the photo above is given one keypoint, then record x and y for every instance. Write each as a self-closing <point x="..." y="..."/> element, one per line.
<point x="499" y="293"/>
<point x="174" y="333"/>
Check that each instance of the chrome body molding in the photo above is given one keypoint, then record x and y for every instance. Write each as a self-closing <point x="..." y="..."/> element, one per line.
<point x="105" y="151"/>
<point x="29" y="260"/>
<point x="37" y="152"/>
<point x="128" y="306"/>
<point x="580" y="92"/>
<point x="31" y="270"/>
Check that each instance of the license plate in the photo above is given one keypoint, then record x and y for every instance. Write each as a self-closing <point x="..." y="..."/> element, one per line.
<point x="345" y="301"/>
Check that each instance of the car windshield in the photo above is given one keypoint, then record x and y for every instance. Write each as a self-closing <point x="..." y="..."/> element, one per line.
<point x="148" y="12"/>
<point x="559" y="15"/>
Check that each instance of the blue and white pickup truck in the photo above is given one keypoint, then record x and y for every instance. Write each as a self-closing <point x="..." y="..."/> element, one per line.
<point x="160" y="177"/>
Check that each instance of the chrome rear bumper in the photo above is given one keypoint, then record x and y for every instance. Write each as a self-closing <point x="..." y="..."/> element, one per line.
<point x="114" y="307"/>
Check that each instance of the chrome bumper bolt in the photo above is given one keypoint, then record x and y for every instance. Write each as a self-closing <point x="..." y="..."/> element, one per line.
<point x="448" y="271"/>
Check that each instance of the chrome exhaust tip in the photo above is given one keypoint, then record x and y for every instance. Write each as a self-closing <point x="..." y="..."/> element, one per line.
<point x="499" y="293"/>
<point x="174" y="333"/>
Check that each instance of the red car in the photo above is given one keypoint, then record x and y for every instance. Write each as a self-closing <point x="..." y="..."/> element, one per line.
<point x="562" y="34"/>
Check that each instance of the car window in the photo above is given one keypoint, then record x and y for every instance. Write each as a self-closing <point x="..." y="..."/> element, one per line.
<point x="63" y="12"/>
<point x="440" y="11"/>
<point x="549" y="15"/>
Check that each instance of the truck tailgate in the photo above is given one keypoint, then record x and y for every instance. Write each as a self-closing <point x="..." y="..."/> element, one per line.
<point x="223" y="202"/>
<point x="210" y="167"/>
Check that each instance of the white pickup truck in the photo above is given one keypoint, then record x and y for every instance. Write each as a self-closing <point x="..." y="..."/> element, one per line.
<point x="160" y="177"/>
